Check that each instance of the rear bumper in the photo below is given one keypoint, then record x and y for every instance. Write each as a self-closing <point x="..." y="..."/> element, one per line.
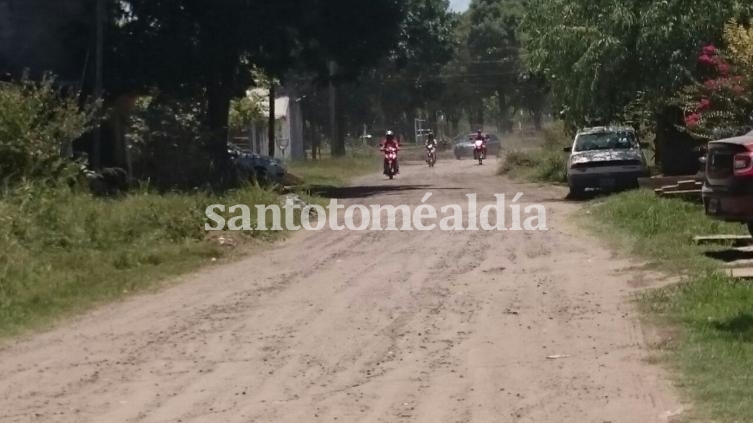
<point x="728" y="207"/>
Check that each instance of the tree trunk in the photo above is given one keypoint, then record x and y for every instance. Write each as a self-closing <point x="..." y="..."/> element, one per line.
<point x="675" y="150"/>
<point x="537" y="119"/>
<point x="218" y="109"/>
<point x="337" y="148"/>
<point x="272" y="123"/>
<point x="505" y="123"/>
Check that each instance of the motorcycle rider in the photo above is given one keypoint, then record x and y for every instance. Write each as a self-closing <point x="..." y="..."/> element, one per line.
<point x="431" y="141"/>
<point x="390" y="141"/>
<point x="480" y="136"/>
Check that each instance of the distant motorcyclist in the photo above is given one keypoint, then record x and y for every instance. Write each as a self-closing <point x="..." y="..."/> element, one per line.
<point x="390" y="141"/>
<point x="484" y="138"/>
<point x="431" y="147"/>
<point x="431" y="141"/>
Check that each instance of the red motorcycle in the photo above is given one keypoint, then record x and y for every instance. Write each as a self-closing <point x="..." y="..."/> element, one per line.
<point x="479" y="151"/>
<point x="390" y="161"/>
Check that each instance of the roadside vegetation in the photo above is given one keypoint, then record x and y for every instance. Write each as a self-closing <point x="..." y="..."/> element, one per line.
<point x="537" y="157"/>
<point x="335" y="172"/>
<point x="708" y="314"/>
<point x="63" y="250"/>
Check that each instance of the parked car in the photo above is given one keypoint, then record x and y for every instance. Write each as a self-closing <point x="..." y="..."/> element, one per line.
<point x="261" y="167"/>
<point x="605" y="158"/>
<point x="728" y="186"/>
<point x="464" y="146"/>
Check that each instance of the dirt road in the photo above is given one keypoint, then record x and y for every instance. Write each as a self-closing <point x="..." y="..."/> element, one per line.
<point x="366" y="327"/>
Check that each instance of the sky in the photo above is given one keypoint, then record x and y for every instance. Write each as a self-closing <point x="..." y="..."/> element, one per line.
<point x="459" y="5"/>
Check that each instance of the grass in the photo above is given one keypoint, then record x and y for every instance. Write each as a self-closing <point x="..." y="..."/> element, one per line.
<point x="335" y="171"/>
<point x="536" y="166"/>
<point x="537" y="157"/>
<point x="712" y="315"/>
<point x="62" y="252"/>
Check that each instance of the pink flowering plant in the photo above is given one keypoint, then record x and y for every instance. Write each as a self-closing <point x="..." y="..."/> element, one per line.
<point x="719" y="103"/>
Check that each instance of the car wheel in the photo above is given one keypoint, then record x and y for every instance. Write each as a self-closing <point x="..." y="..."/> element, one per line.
<point x="576" y="191"/>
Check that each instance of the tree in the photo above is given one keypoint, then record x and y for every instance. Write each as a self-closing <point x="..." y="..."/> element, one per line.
<point x="599" y="56"/>
<point x="494" y="46"/>
<point x="205" y="51"/>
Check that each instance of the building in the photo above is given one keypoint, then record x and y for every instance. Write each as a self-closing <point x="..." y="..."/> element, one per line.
<point x="289" y="122"/>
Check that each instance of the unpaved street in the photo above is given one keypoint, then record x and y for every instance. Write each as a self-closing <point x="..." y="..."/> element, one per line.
<point x="366" y="327"/>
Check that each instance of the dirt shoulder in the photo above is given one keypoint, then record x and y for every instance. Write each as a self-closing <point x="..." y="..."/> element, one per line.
<point x="366" y="326"/>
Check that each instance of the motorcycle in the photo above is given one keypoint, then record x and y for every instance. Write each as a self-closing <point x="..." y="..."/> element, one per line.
<point x="431" y="155"/>
<point x="390" y="157"/>
<point x="479" y="152"/>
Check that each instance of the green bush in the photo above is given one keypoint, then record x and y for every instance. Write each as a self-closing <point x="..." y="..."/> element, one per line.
<point x="38" y="123"/>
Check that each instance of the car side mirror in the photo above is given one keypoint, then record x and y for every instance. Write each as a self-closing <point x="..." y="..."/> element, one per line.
<point x="568" y="149"/>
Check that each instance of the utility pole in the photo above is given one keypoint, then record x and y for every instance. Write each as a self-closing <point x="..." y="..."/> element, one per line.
<point x="272" y="121"/>
<point x="332" y="107"/>
<point x="98" y="81"/>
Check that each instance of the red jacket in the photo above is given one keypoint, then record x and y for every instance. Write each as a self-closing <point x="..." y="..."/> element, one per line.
<point x="394" y="143"/>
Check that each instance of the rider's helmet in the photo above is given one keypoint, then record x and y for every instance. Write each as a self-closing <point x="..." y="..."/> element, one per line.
<point x="390" y="135"/>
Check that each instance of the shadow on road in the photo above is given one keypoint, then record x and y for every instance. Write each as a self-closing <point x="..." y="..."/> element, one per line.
<point x="365" y="191"/>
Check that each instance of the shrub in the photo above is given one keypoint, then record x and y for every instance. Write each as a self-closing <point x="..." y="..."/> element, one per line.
<point x="38" y="123"/>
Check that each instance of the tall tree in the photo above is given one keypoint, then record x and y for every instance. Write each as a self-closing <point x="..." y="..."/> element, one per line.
<point x="494" y="46"/>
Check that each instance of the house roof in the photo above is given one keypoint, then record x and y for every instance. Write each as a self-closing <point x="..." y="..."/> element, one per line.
<point x="262" y="96"/>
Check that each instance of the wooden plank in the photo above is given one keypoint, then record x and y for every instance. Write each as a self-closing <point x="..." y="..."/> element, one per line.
<point x="739" y="264"/>
<point x="659" y="181"/>
<point x="736" y="239"/>
<point x="669" y="188"/>
<point x="742" y="273"/>
<point x="686" y="185"/>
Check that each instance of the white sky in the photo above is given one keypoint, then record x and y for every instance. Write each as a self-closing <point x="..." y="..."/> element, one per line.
<point x="459" y="5"/>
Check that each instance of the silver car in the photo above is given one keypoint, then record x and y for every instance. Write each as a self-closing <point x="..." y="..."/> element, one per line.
<point x="605" y="158"/>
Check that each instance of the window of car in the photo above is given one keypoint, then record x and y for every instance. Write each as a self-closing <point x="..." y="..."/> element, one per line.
<point x="613" y="140"/>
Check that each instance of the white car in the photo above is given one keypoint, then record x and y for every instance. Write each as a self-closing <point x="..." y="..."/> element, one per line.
<point x="605" y="158"/>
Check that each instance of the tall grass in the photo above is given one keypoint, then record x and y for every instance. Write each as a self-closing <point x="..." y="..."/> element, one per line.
<point x="62" y="251"/>
<point x="538" y="158"/>
<point x="336" y="171"/>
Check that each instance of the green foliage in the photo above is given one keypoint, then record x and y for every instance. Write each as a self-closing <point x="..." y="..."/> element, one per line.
<point x="720" y="104"/>
<point x="169" y="144"/>
<point x="63" y="251"/>
<point x="535" y="165"/>
<point x="244" y="111"/>
<point x="600" y="56"/>
<point x="38" y="123"/>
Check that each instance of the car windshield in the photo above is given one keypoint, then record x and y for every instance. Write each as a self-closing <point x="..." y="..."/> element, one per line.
<point x="621" y="140"/>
